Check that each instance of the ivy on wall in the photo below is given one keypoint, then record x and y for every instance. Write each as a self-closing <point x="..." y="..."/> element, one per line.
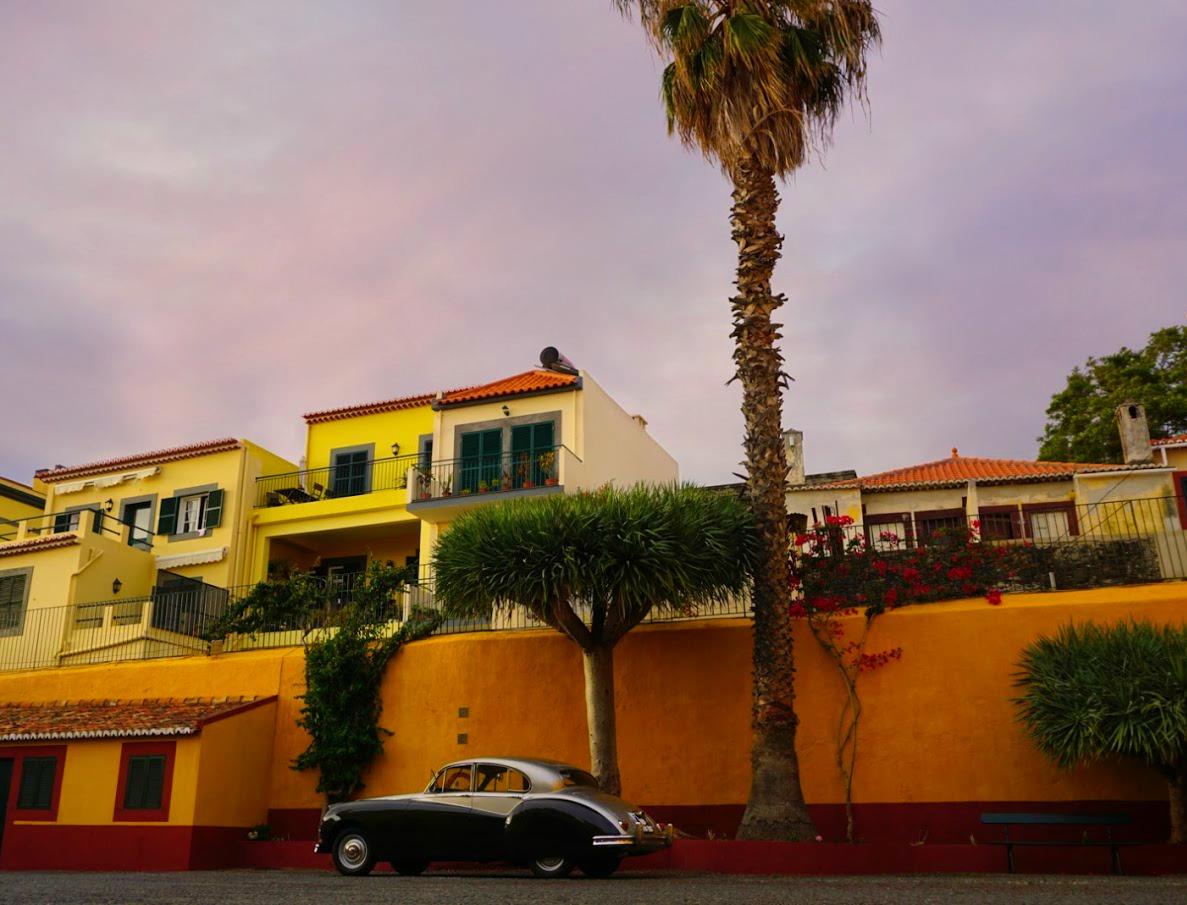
<point x="348" y="645"/>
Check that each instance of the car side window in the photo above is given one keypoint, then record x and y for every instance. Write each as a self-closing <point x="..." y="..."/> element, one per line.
<point x="452" y="779"/>
<point x="494" y="778"/>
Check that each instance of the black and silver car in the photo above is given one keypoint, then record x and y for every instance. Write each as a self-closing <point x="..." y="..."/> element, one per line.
<point x="547" y="815"/>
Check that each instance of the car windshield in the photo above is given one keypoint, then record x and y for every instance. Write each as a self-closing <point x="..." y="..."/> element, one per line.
<point x="574" y="777"/>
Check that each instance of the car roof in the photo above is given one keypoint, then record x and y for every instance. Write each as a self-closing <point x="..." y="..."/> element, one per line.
<point x="538" y="770"/>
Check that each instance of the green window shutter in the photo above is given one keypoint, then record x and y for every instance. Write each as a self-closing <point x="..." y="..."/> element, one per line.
<point x="154" y="782"/>
<point x="521" y="440"/>
<point x="167" y="523"/>
<point x="134" y="789"/>
<point x="12" y="601"/>
<point x="543" y="437"/>
<point x="37" y="783"/>
<point x="214" y="509"/>
<point x="471" y="445"/>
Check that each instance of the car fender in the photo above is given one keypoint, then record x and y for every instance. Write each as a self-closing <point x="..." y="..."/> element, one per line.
<point x="558" y="825"/>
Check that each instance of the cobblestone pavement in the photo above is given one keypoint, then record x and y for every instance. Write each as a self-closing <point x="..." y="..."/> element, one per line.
<point x="630" y="888"/>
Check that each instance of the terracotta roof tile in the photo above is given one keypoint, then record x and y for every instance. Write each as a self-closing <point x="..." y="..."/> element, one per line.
<point x="369" y="408"/>
<point x="50" y="475"/>
<point x="117" y="719"/>
<point x="1180" y="440"/>
<point x="534" y="381"/>
<point x="29" y="545"/>
<point x="958" y="470"/>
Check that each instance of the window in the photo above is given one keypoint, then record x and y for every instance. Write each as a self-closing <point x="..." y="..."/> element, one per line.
<point x="138" y="517"/>
<point x="528" y="443"/>
<point x="14" y="594"/>
<point x="888" y="532"/>
<point x="351" y="471"/>
<point x="482" y="460"/>
<point x="494" y="778"/>
<point x="574" y="777"/>
<point x="146" y="781"/>
<point x="1050" y="522"/>
<point x="452" y="779"/>
<point x="191" y="512"/>
<point x="1000" y="523"/>
<point x="37" y="784"/>
<point x="928" y="523"/>
<point x="66" y="521"/>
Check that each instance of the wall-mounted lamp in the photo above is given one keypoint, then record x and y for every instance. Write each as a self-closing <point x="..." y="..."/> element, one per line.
<point x="116" y="585"/>
<point x="108" y="504"/>
<point x="506" y="411"/>
<point x="395" y="449"/>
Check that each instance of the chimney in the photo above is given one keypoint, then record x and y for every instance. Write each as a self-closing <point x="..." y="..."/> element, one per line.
<point x="1135" y="434"/>
<point x="794" y="441"/>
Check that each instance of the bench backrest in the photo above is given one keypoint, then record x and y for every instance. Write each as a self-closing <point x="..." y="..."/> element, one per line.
<point x="1056" y="819"/>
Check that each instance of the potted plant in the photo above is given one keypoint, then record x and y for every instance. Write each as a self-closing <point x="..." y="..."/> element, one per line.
<point x="523" y="470"/>
<point x="547" y="463"/>
<point x="447" y="485"/>
<point x="483" y="487"/>
<point x="506" y="480"/>
<point x="424" y="482"/>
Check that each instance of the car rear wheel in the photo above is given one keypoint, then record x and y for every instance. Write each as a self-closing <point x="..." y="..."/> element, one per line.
<point x="600" y="866"/>
<point x="552" y="868"/>
<point x="352" y="854"/>
<point x="409" y="868"/>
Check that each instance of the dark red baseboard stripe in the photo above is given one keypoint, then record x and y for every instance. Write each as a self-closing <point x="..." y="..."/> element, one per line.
<point x="946" y="823"/>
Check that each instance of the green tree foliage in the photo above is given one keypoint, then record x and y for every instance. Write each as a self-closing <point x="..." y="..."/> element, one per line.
<point x="592" y="566"/>
<point x="756" y="86"/>
<point x="1081" y="425"/>
<point x="344" y="668"/>
<point x="1095" y="692"/>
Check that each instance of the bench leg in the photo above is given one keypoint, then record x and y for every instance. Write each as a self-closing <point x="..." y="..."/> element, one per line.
<point x="1120" y="871"/>
<point x="1010" y="856"/>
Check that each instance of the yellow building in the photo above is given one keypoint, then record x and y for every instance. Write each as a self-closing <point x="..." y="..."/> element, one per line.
<point x="130" y="556"/>
<point x="17" y="501"/>
<point x="132" y="784"/>
<point x="384" y="479"/>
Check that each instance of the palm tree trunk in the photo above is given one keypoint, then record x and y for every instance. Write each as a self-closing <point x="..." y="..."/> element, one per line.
<point x="599" y="713"/>
<point x="776" y="809"/>
<point x="1178" y="802"/>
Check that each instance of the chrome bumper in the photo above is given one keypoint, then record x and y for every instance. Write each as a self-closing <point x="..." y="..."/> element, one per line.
<point x="642" y="839"/>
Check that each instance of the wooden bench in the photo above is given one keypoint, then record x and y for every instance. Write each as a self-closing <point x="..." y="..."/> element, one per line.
<point x="1108" y="821"/>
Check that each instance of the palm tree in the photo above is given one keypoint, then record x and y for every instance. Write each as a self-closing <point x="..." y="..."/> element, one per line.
<point x="756" y="86"/>
<point x="592" y="566"/>
<point x="1100" y="692"/>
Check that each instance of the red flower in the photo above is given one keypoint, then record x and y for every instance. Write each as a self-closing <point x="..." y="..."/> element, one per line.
<point x="994" y="596"/>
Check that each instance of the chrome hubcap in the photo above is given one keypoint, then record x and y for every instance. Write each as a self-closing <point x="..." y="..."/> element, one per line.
<point x="549" y="863"/>
<point x="353" y="851"/>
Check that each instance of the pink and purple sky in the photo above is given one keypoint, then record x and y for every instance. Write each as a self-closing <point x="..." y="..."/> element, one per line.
<point x="216" y="215"/>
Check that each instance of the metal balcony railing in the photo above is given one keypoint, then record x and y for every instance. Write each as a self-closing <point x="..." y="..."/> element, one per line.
<point x="541" y="467"/>
<point x="333" y="482"/>
<point x="91" y="520"/>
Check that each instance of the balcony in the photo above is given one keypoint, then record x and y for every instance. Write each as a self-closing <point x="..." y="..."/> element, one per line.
<point x="333" y="482"/>
<point x="438" y="492"/>
<point x="82" y="522"/>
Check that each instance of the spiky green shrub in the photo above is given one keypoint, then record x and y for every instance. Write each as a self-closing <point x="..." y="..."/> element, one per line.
<point x="1095" y="692"/>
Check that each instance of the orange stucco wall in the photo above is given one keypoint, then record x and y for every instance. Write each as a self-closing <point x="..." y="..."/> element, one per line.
<point x="938" y="726"/>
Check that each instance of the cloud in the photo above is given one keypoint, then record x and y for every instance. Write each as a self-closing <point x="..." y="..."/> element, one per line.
<point x="218" y="216"/>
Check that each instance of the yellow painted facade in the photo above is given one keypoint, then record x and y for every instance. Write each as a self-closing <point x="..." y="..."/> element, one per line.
<point x="684" y="728"/>
<point x="18" y="501"/>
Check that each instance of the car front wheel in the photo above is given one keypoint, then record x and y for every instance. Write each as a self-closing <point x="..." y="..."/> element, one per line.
<point x="352" y="854"/>
<point x="551" y="868"/>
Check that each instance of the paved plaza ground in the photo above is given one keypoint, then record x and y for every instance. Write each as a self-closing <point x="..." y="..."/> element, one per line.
<point x="320" y="887"/>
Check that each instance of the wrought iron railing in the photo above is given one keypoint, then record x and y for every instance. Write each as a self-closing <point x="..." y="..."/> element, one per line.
<point x="90" y="520"/>
<point x="1054" y="545"/>
<point x="333" y="482"/>
<point x="470" y="475"/>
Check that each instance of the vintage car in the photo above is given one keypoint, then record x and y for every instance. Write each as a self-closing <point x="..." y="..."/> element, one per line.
<point x="547" y="815"/>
